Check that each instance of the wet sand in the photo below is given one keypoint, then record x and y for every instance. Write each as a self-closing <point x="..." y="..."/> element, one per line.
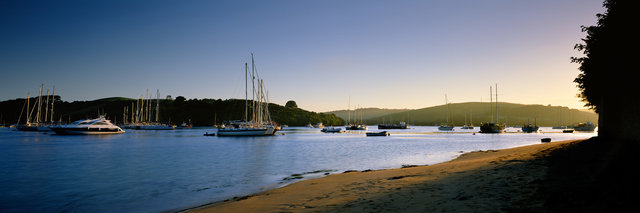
<point x="482" y="181"/>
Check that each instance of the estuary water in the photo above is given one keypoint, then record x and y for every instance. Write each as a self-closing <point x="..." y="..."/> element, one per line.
<point x="155" y="171"/>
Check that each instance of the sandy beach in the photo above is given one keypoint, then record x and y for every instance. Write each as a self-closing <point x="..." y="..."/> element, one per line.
<point x="516" y="179"/>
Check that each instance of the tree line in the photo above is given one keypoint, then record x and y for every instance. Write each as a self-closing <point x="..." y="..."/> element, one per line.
<point x="200" y="112"/>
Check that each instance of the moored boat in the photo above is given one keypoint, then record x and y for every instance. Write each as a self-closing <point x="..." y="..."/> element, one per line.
<point x="331" y="130"/>
<point x="98" y="126"/>
<point x="401" y="125"/>
<point x="156" y="127"/>
<point x="468" y="125"/>
<point x="492" y="127"/>
<point x="260" y="124"/>
<point x="383" y="133"/>
<point x="585" y="127"/>
<point x="529" y="128"/>
<point x="246" y="131"/>
<point x="447" y="126"/>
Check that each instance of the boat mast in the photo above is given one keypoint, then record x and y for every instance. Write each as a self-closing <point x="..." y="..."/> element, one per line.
<point x="446" y="101"/>
<point x="38" y="115"/>
<point x="491" y="101"/>
<point x="132" y="112"/>
<point x="349" y="112"/>
<point x="253" y="90"/>
<point x="266" y="108"/>
<point x="21" y="111"/>
<point x="28" y="114"/>
<point x="157" y="105"/>
<point x="259" y="116"/>
<point x="246" y="92"/>
<point x="465" y="119"/>
<point x="142" y="104"/>
<point x="124" y="114"/>
<point x="46" y="108"/>
<point x="137" y="119"/>
<point x="148" y="106"/>
<point x="53" y="101"/>
<point x="497" y="104"/>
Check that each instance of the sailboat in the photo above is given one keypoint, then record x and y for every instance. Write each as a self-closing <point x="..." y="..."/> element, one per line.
<point x="260" y="123"/>
<point x="470" y="124"/>
<point x="356" y="125"/>
<point x="40" y="123"/>
<point x="492" y="127"/>
<point x="156" y="125"/>
<point x="141" y="118"/>
<point x="529" y="128"/>
<point x="448" y="126"/>
<point x="391" y="125"/>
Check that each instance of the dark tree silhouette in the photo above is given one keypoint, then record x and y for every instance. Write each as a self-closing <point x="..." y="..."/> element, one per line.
<point x="291" y="103"/>
<point x="180" y="99"/>
<point x="608" y="80"/>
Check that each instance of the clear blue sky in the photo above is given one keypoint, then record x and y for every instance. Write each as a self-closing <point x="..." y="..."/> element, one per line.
<point x="388" y="54"/>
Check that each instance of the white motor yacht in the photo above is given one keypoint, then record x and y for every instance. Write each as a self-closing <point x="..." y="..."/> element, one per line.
<point x="98" y="126"/>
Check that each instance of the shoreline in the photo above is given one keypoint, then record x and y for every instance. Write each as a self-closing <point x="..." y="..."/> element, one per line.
<point x="468" y="182"/>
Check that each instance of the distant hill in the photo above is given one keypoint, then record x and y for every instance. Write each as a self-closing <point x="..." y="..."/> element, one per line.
<point x="511" y="113"/>
<point x="365" y="113"/>
<point x="201" y="112"/>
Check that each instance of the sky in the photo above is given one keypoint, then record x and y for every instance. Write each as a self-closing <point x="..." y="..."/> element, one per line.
<point x="321" y="54"/>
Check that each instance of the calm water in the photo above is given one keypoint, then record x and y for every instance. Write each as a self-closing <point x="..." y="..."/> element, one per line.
<point x="152" y="171"/>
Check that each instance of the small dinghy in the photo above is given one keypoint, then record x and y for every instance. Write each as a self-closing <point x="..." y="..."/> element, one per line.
<point x="383" y="133"/>
<point x="331" y="130"/>
<point x="209" y="134"/>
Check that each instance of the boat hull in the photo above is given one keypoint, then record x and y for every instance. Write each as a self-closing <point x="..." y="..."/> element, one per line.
<point x="492" y="128"/>
<point x="356" y="127"/>
<point x="530" y="129"/>
<point x="33" y="128"/>
<point x="384" y="133"/>
<point x="156" y="127"/>
<point x="86" y="131"/>
<point x="331" y="130"/>
<point x="393" y="126"/>
<point x="247" y="132"/>
<point x="445" y="128"/>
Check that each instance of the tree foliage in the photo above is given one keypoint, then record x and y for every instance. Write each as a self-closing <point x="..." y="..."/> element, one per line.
<point x="608" y="53"/>
<point x="608" y="67"/>
<point x="291" y="103"/>
<point x="201" y="112"/>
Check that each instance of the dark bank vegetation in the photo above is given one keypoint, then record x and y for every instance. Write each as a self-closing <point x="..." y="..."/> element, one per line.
<point x="598" y="175"/>
<point x="201" y="112"/>
<point x="608" y="80"/>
